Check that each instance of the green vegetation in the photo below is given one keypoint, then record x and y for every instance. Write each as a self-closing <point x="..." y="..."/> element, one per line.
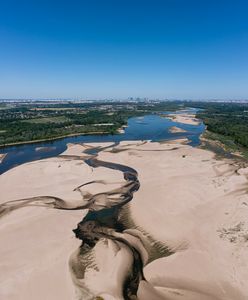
<point x="226" y="143"/>
<point x="227" y="123"/>
<point x="25" y="122"/>
<point x="5" y="106"/>
<point x="57" y="120"/>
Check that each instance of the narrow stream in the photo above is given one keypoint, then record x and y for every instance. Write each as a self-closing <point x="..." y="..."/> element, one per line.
<point x="103" y="221"/>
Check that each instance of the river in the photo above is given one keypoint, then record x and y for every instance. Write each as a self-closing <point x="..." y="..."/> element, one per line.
<point x="104" y="217"/>
<point x="150" y="127"/>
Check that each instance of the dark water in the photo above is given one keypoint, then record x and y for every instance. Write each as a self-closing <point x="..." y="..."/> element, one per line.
<point x="103" y="219"/>
<point x="149" y="127"/>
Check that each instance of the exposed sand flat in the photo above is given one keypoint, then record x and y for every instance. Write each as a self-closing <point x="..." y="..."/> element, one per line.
<point x="36" y="245"/>
<point x="176" y="141"/>
<point x="38" y="241"/>
<point x="38" y="149"/>
<point x="194" y="204"/>
<point x="175" y="129"/>
<point x="2" y="156"/>
<point x="184" y="118"/>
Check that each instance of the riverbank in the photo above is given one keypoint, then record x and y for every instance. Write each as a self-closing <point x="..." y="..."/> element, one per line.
<point x="185" y="119"/>
<point x="53" y="138"/>
<point x="38" y="238"/>
<point x="223" y="144"/>
<point x="197" y="207"/>
<point x="191" y="203"/>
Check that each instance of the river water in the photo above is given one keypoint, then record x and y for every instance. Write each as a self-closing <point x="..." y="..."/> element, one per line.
<point x="104" y="217"/>
<point x="150" y="127"/>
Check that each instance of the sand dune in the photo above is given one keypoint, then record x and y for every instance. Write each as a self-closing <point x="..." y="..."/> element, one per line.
<point x="190" y="202"/>
<point x="38" y="241"/>
<point x="187" y="200"/>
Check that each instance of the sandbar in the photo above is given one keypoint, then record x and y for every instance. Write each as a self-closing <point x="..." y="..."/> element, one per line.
<point x="192" y="203"/>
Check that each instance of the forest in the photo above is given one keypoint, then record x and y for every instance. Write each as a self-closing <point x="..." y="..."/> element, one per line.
<point x="228" y="120"/>
<point x="22" y="123"/>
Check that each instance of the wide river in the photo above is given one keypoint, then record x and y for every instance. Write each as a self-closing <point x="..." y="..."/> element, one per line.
<point x="150" y="127"/>
<point x="105" y="218"/>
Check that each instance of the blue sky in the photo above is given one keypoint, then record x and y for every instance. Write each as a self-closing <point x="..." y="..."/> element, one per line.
<point x="177" y="49"/>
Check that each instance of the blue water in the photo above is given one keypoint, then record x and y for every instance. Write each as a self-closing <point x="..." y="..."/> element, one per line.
<point x="150" y="127"/>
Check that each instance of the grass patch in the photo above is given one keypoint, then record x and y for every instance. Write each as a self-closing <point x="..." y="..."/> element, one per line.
<point x="227" y="143"/>
<point x="53" y="108"/>
<point x="47" y="120"/>
<point x="4" y="107"/>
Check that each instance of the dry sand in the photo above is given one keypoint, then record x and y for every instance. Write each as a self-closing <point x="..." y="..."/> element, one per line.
<point x="36" y="242"/>
<point x="184" y="118"/>
<point x="175" y="129"/>
<point x="192" y="203"/>
<point x="198" y="207"/>
<point x="2" y="156"/>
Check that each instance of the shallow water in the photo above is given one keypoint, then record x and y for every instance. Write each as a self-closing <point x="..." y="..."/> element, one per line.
<point x="103" y="220"/>
<point x="150" y="127"/>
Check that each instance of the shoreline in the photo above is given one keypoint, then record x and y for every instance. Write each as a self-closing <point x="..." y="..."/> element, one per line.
<point x="219" y="148"/>
<point x="184" y="118"/>
<point x="56" y="138"/>
<point x="188" y="185"/>
<point x="196" y="187"/>
<point x="207" y="185"/>
<point x="120" y="130"/>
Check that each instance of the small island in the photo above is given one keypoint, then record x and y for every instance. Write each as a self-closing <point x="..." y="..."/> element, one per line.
<point x="184" y="118"/>
<point x="2" y="156"/>
<point x="175" y="129"/>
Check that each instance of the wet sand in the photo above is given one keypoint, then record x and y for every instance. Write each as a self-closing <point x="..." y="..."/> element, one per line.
<point x="191" y="203"/>
<point x="2" y="156"/>
<point x="175" y="129"/>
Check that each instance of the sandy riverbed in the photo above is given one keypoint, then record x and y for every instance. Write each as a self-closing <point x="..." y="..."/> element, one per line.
<point x="192" y="203"/>
<point x="198" y="207"/>
<point x="184" y="118"/>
